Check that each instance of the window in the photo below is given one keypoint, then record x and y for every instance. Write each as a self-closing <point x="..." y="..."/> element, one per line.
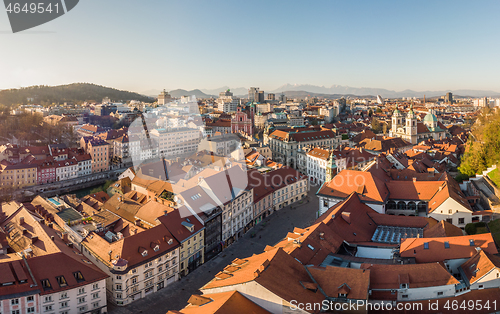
<point x="404" y="286"/>
<point x="426" y="245"/>
<point x="48" y="308"/>
<point x="404" y="296"/>
<point x="461" y="221"/>
<point x="447" y="245"/>
<point x="63" y="295"/>
<point x="95" y="295"/>
<point x="78" y="276"/>
<point x="30" y="310"/>
<point x="64" y="304"/>
<point x="440" y="293"/>
<point x="119" y="277"/>
<point x="61" y="281"/>
<point x="471" y="242"/>
<point x="81" y="290"/>
<point x="118" y="295"/>
<point x="480" y="286"/>
<point x="119" y="287"/>
<point x="30" y="298"/>
<point x="95" y="286"/>
<point x="81" y="300"/>
<point x="95" y="305"/>
<point x="48" y="299"/>
<point x="14" y="301"/>
<point x="15" y="312"/>
<point x="134" y="280"/>
<point x="46" y="284"/>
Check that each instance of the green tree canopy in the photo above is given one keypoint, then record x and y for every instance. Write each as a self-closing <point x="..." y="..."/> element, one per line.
<point x="483" y="146"/>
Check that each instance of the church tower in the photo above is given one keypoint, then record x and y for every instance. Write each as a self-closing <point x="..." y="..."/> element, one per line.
<point x="330" y="168"/>
<point x="411" y="126"/>
<point x="396" y="121"/>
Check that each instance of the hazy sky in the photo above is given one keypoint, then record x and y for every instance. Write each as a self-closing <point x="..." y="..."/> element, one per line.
<point x="154" y="44"/>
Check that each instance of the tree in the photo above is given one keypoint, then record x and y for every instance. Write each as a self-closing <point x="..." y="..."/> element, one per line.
<point x="376" y="126"/>
<point x="370" y="113"/>
<point x="483" y="146"/>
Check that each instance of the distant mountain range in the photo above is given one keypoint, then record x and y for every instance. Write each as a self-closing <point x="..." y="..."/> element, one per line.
<point x="334" y="91"/>
<point x="361" y="91"/>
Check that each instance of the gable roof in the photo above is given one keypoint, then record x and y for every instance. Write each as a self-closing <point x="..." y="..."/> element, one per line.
<point x="443" y="229"/>
<point x="369" y="187"/>
<point x="415" y="275"/>
<point x="479" y="265"/>
<point x="339" y="280"/>
<point x="275" y="270"/>
<point x="220" y="303"/>
<point x="459" y="247"/>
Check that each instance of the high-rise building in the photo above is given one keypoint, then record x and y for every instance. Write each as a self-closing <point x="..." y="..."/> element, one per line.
<point x="227" y="102"/>
<point x="259" y="97"/>
<point x="448" y="98"/>
<point x="251" y="93"/>
<point x="271" y="96"/>
<point x="164" y="98"/>
<point x="282" y="97"/>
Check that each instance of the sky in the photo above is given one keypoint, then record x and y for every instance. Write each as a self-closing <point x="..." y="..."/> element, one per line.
<point x="156" y="44"/>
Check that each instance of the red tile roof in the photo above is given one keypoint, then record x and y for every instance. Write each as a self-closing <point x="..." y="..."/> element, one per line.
<point x="460" y="247"/>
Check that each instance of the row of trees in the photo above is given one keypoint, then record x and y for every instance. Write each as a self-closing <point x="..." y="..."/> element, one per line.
<point x="30" y="129"/>
<point x="483" y="145"/>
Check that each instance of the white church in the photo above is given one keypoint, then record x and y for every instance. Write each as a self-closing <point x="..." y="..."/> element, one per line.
<point x="413" y="131"/>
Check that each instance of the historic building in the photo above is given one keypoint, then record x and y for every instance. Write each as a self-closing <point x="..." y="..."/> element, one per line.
<point x="413" y="131"/>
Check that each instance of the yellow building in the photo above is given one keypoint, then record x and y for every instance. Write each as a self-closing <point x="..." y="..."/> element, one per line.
<point x="190" y="232"/>
<point x="18" y="176"/>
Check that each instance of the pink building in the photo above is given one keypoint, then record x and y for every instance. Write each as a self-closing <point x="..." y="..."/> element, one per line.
<point x="241" y="121"/>
<point x="98" y="150"/>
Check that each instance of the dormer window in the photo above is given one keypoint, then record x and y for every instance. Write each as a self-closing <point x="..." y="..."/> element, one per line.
<point x="471" y="242"/>
<point x="404" y="286"/>
<point x="156" y="248"/>
<point x="46" y="284"/>
<point x="144" y="253"/>
<point x="78" y="276"/>
<point x="61" y="281"/>
<point x="342" y="295"/>
<point x="170" y="241"/>
<point x="426" y="245"/>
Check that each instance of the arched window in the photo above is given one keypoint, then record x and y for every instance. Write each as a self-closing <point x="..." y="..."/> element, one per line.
<point x="401" y="205"/>
<point x="422" y="207"/>
<point x="391" y="205"/>
<point x="411" y="206"/>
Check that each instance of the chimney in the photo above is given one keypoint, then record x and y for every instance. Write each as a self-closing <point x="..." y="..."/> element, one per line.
<point x="34" y="239"/>
<point x="65" y="237"/>
<point x="50" y="225"/>
<point x="52" y="238"/>
<point x="21" y="220"/>
<point x="414" y="179"/>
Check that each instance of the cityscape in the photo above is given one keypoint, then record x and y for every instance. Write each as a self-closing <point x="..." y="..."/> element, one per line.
<point x="161" y="185"/>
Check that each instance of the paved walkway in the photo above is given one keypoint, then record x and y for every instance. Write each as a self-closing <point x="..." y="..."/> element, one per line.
<point x="270" y="231"/>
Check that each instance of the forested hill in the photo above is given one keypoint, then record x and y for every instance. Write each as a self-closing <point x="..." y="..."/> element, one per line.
<point x="483" y="146"/>
<point x="78" y="92"/>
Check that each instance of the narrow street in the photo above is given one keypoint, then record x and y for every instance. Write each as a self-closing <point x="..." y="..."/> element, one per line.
<point x="270" y="231"/>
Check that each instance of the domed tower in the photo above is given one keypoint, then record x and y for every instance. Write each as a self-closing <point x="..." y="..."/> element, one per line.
<point x="411" y="125"/>
<point x="397" y="118"/>
<point x="431" y="121"/>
